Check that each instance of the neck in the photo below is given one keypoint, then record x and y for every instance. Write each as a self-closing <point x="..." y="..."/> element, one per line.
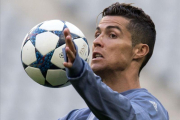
<point x="122" y="80"/>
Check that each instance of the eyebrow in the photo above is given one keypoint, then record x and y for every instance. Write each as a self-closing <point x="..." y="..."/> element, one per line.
<point x="98" y="28"/>
<point x="110" y="27"/>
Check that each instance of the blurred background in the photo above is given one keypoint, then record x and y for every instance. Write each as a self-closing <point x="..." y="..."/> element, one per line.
<point x="23" y="99"/>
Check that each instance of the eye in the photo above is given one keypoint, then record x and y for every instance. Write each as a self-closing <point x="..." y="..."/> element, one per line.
<point x="96" y="34"/>
<point x="113" y="36"/>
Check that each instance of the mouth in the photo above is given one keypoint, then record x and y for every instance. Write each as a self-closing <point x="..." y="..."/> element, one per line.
<point x="96" y="55"/>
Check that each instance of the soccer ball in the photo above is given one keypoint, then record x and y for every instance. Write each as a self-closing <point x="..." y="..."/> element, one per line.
<point x="41" y="52"/>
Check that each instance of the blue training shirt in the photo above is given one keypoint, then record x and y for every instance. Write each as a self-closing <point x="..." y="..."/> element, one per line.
<point x="104" y="103"/>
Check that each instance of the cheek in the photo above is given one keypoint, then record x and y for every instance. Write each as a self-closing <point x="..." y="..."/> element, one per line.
<point x="121" y="55"/>
<point x="114" y="56"/>
<point x="126" y="58"/>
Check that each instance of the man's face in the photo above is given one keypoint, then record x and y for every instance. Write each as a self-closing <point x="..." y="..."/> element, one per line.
<point x="112" y="48"/>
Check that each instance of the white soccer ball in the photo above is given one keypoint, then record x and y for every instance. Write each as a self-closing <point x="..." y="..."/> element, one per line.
<point x="41" y="52"/>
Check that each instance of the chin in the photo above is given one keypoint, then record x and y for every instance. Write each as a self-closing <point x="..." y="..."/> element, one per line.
<point x="98" y="71"/>
<point x="97" y="68"/>
<point x="94" y="69"/>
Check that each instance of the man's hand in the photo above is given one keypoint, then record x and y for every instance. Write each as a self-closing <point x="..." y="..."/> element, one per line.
<point x="70" y="49"/>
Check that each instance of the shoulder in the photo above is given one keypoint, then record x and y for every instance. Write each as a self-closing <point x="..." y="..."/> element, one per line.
<point x="144" y="102"/>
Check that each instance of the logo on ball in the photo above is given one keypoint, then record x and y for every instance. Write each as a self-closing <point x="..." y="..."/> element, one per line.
<point x="61" y="55"/>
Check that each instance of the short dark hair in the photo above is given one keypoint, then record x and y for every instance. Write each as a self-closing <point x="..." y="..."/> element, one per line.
<point x="140" y="25"/>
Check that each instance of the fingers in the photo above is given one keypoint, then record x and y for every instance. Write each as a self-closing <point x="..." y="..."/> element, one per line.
<point x="70" y="55"/>
<point x="67" y="64"/>
<point x="70" y="49"/>
<point x="68" y="40"/>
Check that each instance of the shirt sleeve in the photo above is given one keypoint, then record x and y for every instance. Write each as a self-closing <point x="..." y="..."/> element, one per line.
<point x="69" y="116"/>
<point x="105" y="103"/>
<point x="77" y="114"/>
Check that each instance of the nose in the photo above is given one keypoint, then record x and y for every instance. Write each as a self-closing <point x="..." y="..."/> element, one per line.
<point x="98" y="42"/>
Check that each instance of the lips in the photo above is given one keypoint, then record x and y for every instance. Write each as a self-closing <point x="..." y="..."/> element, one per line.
<point x="97" y="55"/>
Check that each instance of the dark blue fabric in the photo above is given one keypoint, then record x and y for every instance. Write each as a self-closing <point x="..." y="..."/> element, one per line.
<point x="105" y="104"/>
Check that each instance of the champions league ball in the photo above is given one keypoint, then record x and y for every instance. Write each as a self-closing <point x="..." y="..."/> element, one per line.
<point x="41" y="52"/>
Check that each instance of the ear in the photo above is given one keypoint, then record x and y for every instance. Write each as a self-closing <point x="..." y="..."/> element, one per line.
<point x="140" y="51"/>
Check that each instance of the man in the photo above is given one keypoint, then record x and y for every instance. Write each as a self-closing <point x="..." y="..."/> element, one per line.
<point x="124" y="42"/>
